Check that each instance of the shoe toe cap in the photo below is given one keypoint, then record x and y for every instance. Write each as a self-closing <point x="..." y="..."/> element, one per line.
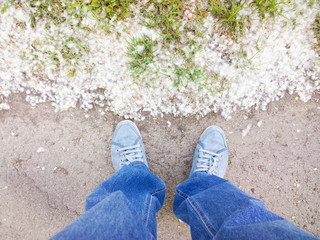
<point x="213" y="139"/>
<point x="125" y="135"/>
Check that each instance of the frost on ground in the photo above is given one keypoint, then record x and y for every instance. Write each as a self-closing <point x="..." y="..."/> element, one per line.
<point x="70" y="68"/>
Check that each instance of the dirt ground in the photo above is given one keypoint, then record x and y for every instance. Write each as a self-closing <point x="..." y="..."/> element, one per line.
<point x="49" y="162"/>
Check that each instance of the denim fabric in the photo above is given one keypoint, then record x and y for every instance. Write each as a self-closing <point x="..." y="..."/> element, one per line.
<point x="122" y="207"/>
<point x="125" y="205"/>
<point x="216" y="209"/>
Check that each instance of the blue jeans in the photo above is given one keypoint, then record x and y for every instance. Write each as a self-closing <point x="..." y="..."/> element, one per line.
<point x="125" y="205"/>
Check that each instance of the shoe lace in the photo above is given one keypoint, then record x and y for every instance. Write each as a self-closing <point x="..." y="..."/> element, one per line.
<point x="130" y="154"/>
<point x="207" y="161"/>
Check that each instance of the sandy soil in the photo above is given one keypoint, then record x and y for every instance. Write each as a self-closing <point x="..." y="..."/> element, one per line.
<point x="41" y="192"/>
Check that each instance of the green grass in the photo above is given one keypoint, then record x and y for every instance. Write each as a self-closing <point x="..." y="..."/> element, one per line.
<point x="179" y="34"/>
<point x="191" y="74"/>
<point x="227" y="12"/>
<point x="269" y="8"/>
<point x="200" y="77"/>
<point x="311" y="3"/>
<point x="59" y="11"/>
<point x="110" y="8"/>
<point x="316" y="30"/>
<point x="50" y="10"/>
<point x="140" y="52"/>
<point x="7" y="4"/>
<point x="70" y="51"/>
<point x="166" y="16"/>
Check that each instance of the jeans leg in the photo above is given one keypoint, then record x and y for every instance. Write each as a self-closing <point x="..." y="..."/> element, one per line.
<point x="122" y="207"/>
<point x="216" y="209"/>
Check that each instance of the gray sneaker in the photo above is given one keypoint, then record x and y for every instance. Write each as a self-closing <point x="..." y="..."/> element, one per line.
<point x="211" y="154"/>
<point x="127" y="145"/>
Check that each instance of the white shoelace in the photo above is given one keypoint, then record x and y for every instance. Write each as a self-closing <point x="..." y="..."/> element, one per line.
<point x="207" y="161"/>
<point x="130" y="154"/>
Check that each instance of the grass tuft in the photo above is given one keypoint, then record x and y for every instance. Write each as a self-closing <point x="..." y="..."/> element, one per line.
<point x="110" y="8"/>
<point x="7" y="4"/>
<point x="166" y="16"/>
<point x="140" y="52"/>
<point x="193" y="73"/>
<point x="316" y="30"/>
<point x="270" y="8"/>
<point x="50" y="10"/>
<point x="227" y="11"/>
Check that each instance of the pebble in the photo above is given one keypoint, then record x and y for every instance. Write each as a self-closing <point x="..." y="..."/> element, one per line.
<point x="181" y="128"/>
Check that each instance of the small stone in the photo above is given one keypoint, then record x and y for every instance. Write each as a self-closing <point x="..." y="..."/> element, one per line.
<point x="181" y="128"/>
